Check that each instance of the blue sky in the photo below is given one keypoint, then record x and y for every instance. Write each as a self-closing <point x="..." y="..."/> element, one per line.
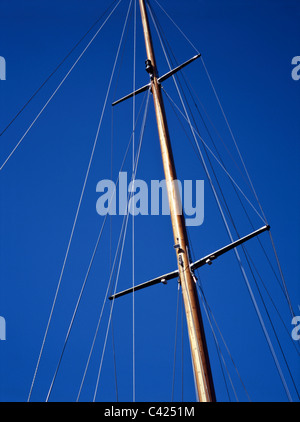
<point x="247" y="48"/>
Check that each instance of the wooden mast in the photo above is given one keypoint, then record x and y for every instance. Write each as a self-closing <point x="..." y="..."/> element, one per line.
<point x="200" y="358"/>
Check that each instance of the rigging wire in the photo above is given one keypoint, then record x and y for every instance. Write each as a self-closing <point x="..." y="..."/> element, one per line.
<point x="133" y="284"/>
<point x="114" y="359"/>
<point x="190" y="88"/>
<point x="236" y="192"/>
<point x="226" y="120"/>
<point x="110" y="249"/>
<point x="263" y="249"/>
<point x="251" y="184"/>
<point x="111" y="309"/>
<point x="175" y="342"/>
<point x="204" y="303"/>
<point x="184" y="78"/>
<point x="104" y="301"/>
<point x="182" y="349"/>
<point x="110" y="241"/>
<point x="120" y="260"/>
<point x="196" y="130"/>
<point x="101" y="312"/>
<point x="245" y="277"/>
<point x="229" y="233"/>
<point x="275" y="307"/>
<point x="273" y="328"/>
<point x="244" y="248"/>
<point x="230" y="216"/>
<point x="184" y="280"/>
<point x="212" y="153"/>
<point x="254" y="278"/>
<point x="253" y="298"/>
<point x="77" y="212"/>
<point x="133" y="239"/>
<point x="87" y="275"/>
<point x="133" y="133"/>
<point x="197" y="271"/>
<point x="56" y="69"/>
<point x="208" y="312"/>
<point x="197" y="51"/>
<point x="91" y="262"/>
<point x="56" y="90"/>
<point x="109" y="283"/>
<point x="240" y="156"/>
<point x="237" y="233"/>
<point x="228" y="211"/>
<point x="201" y="367"/>
<point x="179" y="29"/>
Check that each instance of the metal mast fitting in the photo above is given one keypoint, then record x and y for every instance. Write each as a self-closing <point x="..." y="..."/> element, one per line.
<point x="194" y="266"/>
<point x="150" y="70"/>
<point x="200" y="358"/>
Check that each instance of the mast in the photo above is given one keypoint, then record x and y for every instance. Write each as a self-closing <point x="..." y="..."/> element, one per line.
<point x="199" y="352"/>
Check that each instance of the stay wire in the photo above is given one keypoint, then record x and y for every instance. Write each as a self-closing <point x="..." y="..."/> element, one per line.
<point x="77" y="213"/>
<point x="120" y="261"/>
<point x="208" y="311"/>
<point x="114" y="359"/>
<point x="108" y="287"/>
<point x="133" y="13"/>
<point x="155" y="24"/>
<point x="87" y="174"/>
<point x="228" y="211"/>
<point x="56" y="69"/>
<point x="75" y="219"/>
<point x="191" y="246"/>
<point x="245" y="277"/>
<point x="244" y="248"/>
<point x="137" y="119"/>
<point x="192" y="91"/>
<point x="197" y="51"/>
<point x="184" y="278"/>
<point x="167" y="46"/>
<point x="175" y="342"/>
<point x="252" y="186"/>
<point x="86" y="276"/>
<point x="270" y="320"/>
<point x="55" y="91"/>
<point x="254" y="278"/>
<point x="274" y="305"/>
<point x="220" y="354"/>
<point x="133" y="225"/>
<point x="239" y="153"/>
<point x="182" y="350"/>
<point x="111" y="309"/>
<point x="179" y="29"/>
<point x="243" y="163"/>
<point x="212" y="153"/>
<point x="251" y="294"/>
<point x="91" y="262"/>
<point x="235" y="250"/>
<point x="101" y="312"/>
<point x="247" y="257"/>
<point x="94" y="252"/>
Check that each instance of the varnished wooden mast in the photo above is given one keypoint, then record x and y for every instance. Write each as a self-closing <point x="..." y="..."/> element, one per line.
<point x="200" y="358"/>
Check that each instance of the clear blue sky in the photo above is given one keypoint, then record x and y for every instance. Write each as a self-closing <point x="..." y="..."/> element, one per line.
<point x="247" y="47"/>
